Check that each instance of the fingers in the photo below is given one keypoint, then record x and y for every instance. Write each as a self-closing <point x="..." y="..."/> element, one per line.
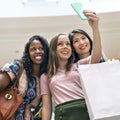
<point x="94" y="13"/>
<point x="91" y="15"/>
<point x="88" y="11"/>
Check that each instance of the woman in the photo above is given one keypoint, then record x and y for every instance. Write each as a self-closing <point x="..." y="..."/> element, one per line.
<point x="81" y="42"/>
<point x="63" y="82"/>
<point x="34" y="61"/>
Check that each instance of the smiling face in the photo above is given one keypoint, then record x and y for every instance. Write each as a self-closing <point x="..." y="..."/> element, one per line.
<point x="63" y="48"/>
<point x="81" y="45"/>
<point x="36" y="52"/>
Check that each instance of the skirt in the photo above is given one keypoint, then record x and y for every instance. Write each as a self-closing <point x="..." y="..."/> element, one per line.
<point x="72" y="110"/>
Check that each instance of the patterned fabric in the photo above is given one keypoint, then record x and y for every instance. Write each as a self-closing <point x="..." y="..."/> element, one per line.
<point x="23" y="84"/>
<point x="12" y="69"/>
<point x="29" y="89"/>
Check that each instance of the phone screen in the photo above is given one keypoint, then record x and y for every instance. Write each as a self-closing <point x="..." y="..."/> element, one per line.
<point x="78" y="7"/>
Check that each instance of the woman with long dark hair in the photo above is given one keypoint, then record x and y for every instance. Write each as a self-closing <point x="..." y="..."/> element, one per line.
<point x="33" y="64"/>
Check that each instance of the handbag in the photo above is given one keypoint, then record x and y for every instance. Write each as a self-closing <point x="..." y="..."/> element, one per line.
<point x="10" y="100"/>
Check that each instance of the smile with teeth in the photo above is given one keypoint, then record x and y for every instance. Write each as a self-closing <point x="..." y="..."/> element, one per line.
<point x="38" y="57"/>
<point x="83" y="47"/>
<point x="65" y="52"/>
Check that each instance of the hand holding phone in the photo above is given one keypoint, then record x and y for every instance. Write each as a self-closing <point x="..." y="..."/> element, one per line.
<point x="78" y="7"/>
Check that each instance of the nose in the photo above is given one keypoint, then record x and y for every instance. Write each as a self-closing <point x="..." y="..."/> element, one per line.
<point x="38" y="50"/>
<point x="81" y="41"/>
<point x="64" y="45"/>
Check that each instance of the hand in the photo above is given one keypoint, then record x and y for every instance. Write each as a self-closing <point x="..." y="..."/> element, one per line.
<point x="93" y="18"/>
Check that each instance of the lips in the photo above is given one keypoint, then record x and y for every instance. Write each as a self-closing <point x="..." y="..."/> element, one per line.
<point x="83" y="47"/>
<point x="38" y="57"/>
<point x="65" y="52"/>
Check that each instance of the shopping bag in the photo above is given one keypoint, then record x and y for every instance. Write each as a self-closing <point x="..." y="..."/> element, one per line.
<point x="101" y="86"/>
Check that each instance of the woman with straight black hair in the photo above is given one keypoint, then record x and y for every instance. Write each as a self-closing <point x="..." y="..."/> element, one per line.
<point x="81" y="42"/>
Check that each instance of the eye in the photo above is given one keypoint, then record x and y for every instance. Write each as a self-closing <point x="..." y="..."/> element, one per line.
<point x="32" y="49"/>
<point x="41" y="48"/>
<point x="60" y="44"/>
<point x="68" y="44"/>
<point x="83" y="38"/>
<point x="76" y="40"/>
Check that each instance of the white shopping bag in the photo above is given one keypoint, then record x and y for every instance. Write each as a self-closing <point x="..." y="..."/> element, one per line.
<point x="101" y="86"/>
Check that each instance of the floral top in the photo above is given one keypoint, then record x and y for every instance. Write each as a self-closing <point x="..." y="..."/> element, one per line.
<point x="29" y="88"/>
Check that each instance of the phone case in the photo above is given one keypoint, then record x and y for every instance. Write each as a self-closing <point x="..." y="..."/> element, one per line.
<point x="78" y="7"/>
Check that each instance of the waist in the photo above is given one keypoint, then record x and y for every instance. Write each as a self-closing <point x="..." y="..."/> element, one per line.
<point x="71" y="103"/>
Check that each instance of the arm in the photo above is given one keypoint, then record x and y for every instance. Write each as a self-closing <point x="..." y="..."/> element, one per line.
<point x="4" y="80"/>
<point x="46" y="107"/>
<point x="9" y="73"/>
<point x="97" y="49"/>
<point x="46" y="98"/>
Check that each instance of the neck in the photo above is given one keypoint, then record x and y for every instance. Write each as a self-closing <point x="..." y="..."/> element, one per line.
<point x="63" y="64"/>
<point x="36" y="70"/>
<point x="84" y="56"/>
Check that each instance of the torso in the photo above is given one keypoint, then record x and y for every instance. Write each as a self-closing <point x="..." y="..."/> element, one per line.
<point x="65" y="87"/>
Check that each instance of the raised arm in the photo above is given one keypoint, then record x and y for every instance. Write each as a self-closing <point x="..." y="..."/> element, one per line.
<point x="97" y="48"/>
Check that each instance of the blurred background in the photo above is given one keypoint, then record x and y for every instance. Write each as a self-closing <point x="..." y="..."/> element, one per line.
<point x="20" y="19"/>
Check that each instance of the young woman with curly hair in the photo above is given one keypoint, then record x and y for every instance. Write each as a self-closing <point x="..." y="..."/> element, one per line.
<point x="34" y="63"/>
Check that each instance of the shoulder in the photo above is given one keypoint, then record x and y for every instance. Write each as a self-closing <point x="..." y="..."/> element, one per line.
<point x="44" y="85"/>
<point x="86" y="60"/>
<point x="12" y="69"/>
<point x="43" y="78"/>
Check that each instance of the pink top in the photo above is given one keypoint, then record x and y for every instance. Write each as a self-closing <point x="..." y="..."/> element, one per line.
<point x="63" y="87"/>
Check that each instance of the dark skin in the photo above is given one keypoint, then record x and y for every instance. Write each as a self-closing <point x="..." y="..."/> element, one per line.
<point x="4" y="80"/>
<point x="36" y="53"/>
<point x="0" y="117"/>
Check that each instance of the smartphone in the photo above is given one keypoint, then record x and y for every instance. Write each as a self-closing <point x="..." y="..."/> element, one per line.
<point x="78" y="7"/>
